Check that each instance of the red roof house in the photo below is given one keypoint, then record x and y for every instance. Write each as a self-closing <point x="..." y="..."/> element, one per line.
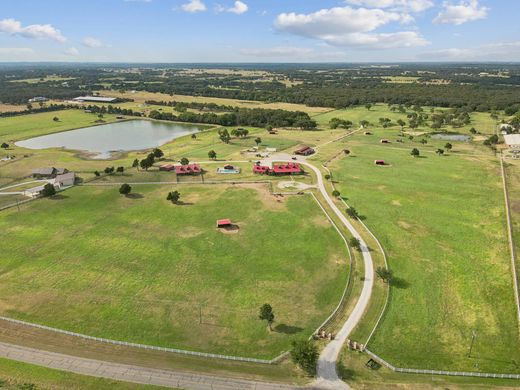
<point x="261" y="169"/>
<point x="190" y="169"/>
<point x="286" y="169"/>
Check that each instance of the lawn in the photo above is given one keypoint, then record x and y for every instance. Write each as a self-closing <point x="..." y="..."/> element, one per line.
<point x="141" y="269"/>
<point x="26" y="126"/>
<point x="441" y="221"/>
<point x="22" y="376"/>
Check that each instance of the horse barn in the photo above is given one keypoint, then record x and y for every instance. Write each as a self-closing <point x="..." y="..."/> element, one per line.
<point x="512" y="140"/>
<point x="279" y="169"/>
<point x="305" y="151"/>
<point x="190" y="169"/>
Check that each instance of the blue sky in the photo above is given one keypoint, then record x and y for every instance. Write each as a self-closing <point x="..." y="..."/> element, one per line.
<point x="259" y="30"/>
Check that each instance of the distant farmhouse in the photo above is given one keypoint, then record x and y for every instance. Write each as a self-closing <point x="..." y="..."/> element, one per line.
<point x="38" y="99"/>
<point x="48" y="172"/>
<point x="95" y="99"/>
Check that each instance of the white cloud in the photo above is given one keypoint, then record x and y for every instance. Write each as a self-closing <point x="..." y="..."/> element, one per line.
<point x="137" y="1"/>
<point x="194" y="6"/>
<point x="72" y="51"/>
<point x="498" y="51"/>
<point x="34" y="31"/>
<point x="277" y="52"/>
<point x="93" y="43"/>
<point x="448" y="54"/>
<point x="16" y="50"/>
<point x="465" y="11"/>
<point x="346" y="26"/>
<point x="238" y="8"/>
<point x="404" y="5"/>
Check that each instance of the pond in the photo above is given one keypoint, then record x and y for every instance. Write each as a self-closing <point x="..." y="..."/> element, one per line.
<point x="102" y="140"/>
<point x="452" y="137"/>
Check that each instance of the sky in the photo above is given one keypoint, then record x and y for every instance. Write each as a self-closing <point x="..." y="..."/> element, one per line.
<point x="176" y="31"/>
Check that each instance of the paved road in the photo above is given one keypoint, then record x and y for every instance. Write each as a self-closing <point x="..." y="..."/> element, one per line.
<point x="129" y="373"/>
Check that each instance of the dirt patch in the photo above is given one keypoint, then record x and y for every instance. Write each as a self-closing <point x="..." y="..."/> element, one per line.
<point x="231" y="229"/>
<point x="404" y="225"/>
<point x="268" y="199"/>
<point x="320" y="220"/>
<point x="188" y="232"/>
<point x="396" y="202"/>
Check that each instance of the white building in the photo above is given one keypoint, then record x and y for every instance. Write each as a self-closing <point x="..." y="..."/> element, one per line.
<point x="512" y="140"/>
<point x="65" y="180"/>
<point x="95" y="99"/>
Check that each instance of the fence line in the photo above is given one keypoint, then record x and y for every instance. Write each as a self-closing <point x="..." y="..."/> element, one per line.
<point x="144" y="346"/>
<point x="349" y="280"/>
<point x="510" y="237"/>
<point x="441" y="372"/>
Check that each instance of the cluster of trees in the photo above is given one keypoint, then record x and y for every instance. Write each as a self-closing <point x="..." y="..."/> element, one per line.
<point x="456" y="118"/>
<point x="183" y="106"/>
<point x="256" y="117"/>
<point x="334" y="123"/>
<point x="174" y="196"/>
<point x="110" y="110"/>
<point x="43" y="108"/>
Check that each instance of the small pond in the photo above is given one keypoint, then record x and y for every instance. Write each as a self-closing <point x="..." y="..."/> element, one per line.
<point x="102" y="140"/>
<point x="452" y="137"/>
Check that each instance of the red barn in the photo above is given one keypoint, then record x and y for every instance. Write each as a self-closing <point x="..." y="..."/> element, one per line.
<point x="167" y="167"/>
<point x="286" y="169"/>
<point x="379" y="162"/>
<point x="223" y="223"/>
<point x="261" y="169"/>
<point x="305" y="151"/>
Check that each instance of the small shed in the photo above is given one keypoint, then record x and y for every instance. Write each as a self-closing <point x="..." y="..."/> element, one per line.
<point x="385" y="141"/>
<point x="222" y="223"/>
<point x="305" y="151"/>
<point x="379" y="162"/>
<point x="368" y="133"/>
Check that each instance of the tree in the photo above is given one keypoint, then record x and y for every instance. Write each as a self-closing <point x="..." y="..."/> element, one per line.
<point x="184" y="161"/>
<point x="401" y="123"/>
<point x="135" y="164"/>
<point x="4" y="145"/>
<point x="97" y="174"/>
<point x="368" y="106"/>
<point x="157" y="153"/>
<point x="224" y="135"/>
<point x="258" y="141"/>
<point x="440" y="152"/>
<point x="354" y="243"/>
<point x="364" y="123"/>
<point x="327" y="176"/>
<point x="109" y="170"/>
<point x="352" y="213"/>
<point x="56" y="119"/>
<point x="120" y="170"/>
<point x="194" y="136"/>
<point x="145" y="163"/>
<point x="173" y="196"/>
<point x="267" y="314"/>
<point x="423" y="141"/>
<point x="385" y="274"/>
<point x="448" y="146"/>
<point x="125" y="189"/>
<point x="212" y="154"/>
<point x="305" y="354"/>
<point x="415" y="152"/>
<point x="473" y="130"/>
<point x="336" y="193"/>
<point x="48" y="190"/>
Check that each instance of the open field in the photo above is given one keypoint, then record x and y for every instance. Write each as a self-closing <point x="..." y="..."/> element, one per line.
<point x="482" y="122"/>
<point x="142" y="96"/>
<point x="11" y="107"/>
<point x="43" y="79"/>
<point x="20" y="376"/>
<point x="26" y="126"/>
<point x="94" y="262"/>
<point x="513" y="187"/>
<point x="355" y="373"/>
<point x="447" y="245"/>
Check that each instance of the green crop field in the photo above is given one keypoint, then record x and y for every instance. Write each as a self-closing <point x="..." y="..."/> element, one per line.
<point x="141" y="269"/>
<point x="441" y="221"/>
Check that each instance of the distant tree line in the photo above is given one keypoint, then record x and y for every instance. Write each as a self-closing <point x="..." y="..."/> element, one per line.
<point x="256" y="117"/>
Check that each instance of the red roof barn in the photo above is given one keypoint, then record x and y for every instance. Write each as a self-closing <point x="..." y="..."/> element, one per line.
<point x="223" y="222"/>
<point x="167" y="167"/>
<point x="305" y="151"/>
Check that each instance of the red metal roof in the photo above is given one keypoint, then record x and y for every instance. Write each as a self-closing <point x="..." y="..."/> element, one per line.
<point x="223" y="222"/>
<point x="167" y="167"/>
<point x="187" y="169"/>
<point x="287" y="168"/>
<point x="260" y="169"/>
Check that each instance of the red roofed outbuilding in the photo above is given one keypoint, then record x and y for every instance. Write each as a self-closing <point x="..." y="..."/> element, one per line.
<point x="191" y="169"/>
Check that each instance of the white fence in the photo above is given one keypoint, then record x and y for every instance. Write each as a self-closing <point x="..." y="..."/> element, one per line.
<point x="441" y="372"/>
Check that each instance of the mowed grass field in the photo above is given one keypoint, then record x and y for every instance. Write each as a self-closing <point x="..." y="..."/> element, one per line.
<point x="441" y="221"/>
<point x="141" y="269"/>
<point x="26" y="126"/>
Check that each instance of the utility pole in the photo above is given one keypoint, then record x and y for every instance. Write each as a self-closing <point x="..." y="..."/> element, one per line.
<point x="473" y="337"/>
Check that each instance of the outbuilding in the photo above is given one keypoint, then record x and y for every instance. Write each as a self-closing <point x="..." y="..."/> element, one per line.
<point x="385" y="141"/>
<point x="379" y="162"/>
<point x="65" y="180"/>
<point x="167" y="167"/>
<point x="222" y="223"/>
<point x="305" y="151"/>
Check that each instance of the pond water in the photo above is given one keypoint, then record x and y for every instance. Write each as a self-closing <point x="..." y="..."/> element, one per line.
<point x="452" y="137"/>
<point x="102" y="140"/>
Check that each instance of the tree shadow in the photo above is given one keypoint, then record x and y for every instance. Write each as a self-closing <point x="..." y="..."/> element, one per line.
<point x="287" y="329"/>
<point x="58" y="197"/>
<point x="135" y="196"/>
<point x="181" y="203"/>
<point x="344" y="372"/>
<point x="399" y="283"/>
